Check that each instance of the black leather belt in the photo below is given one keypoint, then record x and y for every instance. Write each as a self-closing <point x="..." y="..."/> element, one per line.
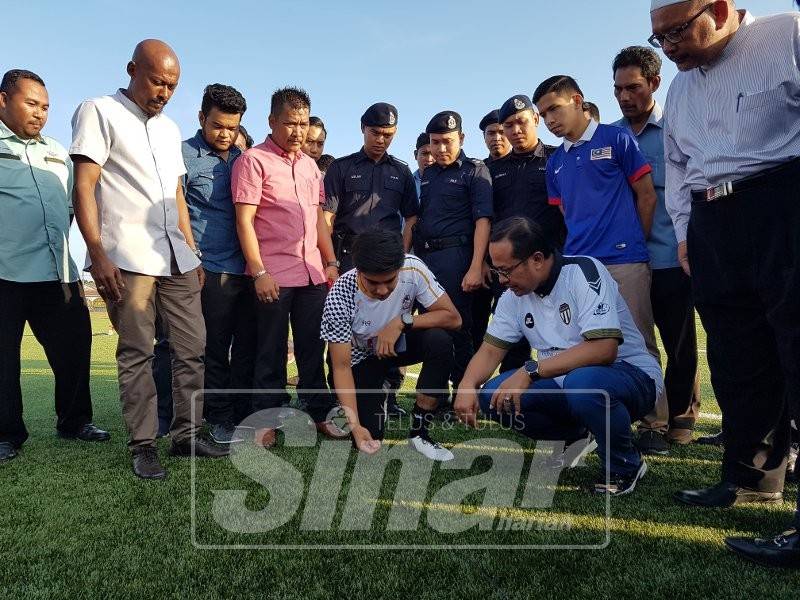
<point x="445" y="242"/>
<point x="729" y="188"/>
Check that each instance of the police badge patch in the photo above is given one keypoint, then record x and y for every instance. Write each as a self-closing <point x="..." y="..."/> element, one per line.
<point x="392" y="118"/>
<point x="518" y="104"/>
<point x="529" y="321"/>
<point x="566" y="313"/>
<point x="451" y="122"/>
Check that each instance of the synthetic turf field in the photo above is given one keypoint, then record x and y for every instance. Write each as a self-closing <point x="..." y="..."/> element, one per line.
<point x="76" y="523"/>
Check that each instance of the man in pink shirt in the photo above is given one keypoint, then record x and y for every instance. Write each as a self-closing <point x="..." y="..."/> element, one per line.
<point x="277" y="191"/>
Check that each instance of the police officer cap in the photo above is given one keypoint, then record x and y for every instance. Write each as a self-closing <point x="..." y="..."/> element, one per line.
<point x="423" y="139"/>
<point x="490" y="119"/>
<point x="380" y="114"/>
<point x="444" y="122"/>
<point x="514" y="105"/>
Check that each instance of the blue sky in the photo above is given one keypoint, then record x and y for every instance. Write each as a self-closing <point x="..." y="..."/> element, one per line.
<point x="422" y="57"/>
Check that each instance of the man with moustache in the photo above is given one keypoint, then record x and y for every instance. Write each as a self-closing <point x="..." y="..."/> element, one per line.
<point x="130" y="208"/>
<point x="39" y="283"/>
<point x="277" y="191"/>
<point x="227" y="296"/>
<point x="732" y="175"/>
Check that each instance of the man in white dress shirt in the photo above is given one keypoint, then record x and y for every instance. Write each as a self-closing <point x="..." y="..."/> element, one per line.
<point x="732" y="142"/>
<point x="131" y="211"/>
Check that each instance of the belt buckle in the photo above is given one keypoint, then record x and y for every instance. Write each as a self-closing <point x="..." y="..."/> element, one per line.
<point x="719" y="191"/>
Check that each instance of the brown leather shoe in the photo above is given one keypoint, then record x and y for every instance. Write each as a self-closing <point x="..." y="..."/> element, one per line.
<point x="266" y="437"/>
<point x="146" y="465"/>
<point x="331" y="430"/>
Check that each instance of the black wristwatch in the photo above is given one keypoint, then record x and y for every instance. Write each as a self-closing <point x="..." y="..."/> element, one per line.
<point x="532" y="369"/>
<point x="408" y="321"/>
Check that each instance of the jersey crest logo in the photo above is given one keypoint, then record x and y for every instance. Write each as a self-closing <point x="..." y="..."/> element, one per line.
<point x="518" y="104"/>
<point x="566" y="313"/>
<point x="451" y="122"/>
<point x="392" y="118"/>
<point x="529" y="321"/>
<point x="406" y="302"/>
<point x="601" y="309"/>
<point x="601" y="153"/>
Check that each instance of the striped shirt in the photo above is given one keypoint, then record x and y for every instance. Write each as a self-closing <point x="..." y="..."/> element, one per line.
<point x="735" y="117"/>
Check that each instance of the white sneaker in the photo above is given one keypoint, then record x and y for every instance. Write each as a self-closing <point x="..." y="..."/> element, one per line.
<point x="430" y="449"/>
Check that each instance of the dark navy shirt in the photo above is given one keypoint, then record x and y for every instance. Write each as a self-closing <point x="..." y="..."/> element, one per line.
<point x="364" y="194"/>
<point x="453" y="198"/>
<point x="519" y="188"/>
<point x="207" y="186"/>
<point x="591" y="179"/>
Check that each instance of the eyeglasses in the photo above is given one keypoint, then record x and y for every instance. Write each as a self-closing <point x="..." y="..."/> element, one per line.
<point x="506" y="273"/>
<point x="675" y="36"/>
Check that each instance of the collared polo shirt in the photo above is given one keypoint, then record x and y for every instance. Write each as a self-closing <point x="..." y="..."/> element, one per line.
<point x="142" y="164"/>
<point x="662" y="243"/>
<point x="519" y="189"/>
<point x="453" y="198"/>
<point x="207" y="186"/>
<point x="288" y="192"/>
<point x="351" y="316"/>
<point x="35" y="196"/>
<point x="591" y="180"/>
<point x="579" y="301"/>
<point x="365" y="194"/>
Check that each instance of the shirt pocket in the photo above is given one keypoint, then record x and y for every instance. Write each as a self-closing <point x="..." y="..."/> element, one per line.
<point x="357" y="191"/>
<point x="392" y="191"/>
<point x="204" y="183"/>
<point x="761" y="117"/>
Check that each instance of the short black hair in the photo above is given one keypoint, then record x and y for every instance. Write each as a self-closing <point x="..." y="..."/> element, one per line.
<point x="11" y="78"/>
<point x="224" y="98"/>
<point x="293" y="97"/>
<point x="378" y="251"/>
<point x="317" y="122"/>
<point x="560" y="84"/>
<point x="593" y="110"/>
<point x="248" y="141"/>
<point x="324" y="162"/>
<point x="647" y="59"/>
<point x="526" y="236"/>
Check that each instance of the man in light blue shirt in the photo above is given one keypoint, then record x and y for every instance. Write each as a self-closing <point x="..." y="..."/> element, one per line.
<point x="637" y="75"/>
<point x="39" y="282"/>
<point x="424" y="158"/>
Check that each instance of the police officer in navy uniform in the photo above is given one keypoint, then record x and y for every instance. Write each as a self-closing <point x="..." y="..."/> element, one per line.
<point x="370" y="188"/>
<point x="493" y="136"/>
<point x="519" y="189"/>
<point x="452" y="233"/>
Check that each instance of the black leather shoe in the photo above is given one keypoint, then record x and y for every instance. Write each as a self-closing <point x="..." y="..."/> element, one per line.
<point x="87" y="433"/>
<point x="146" y="465"/>
<point x="202" y="447"/>
<point x="725" y="495"/>
<point x="718" y="439"/>
<point x="7" y="451"/>
<point x="781" y="551"/>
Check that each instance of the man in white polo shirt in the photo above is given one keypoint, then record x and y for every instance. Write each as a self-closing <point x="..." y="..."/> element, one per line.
<point x="131" y="211"/>
<point x="370" y="328"/>
<point x="570" y="310"/>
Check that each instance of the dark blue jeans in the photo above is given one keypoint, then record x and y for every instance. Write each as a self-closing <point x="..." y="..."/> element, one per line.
<point x="561" y="415"/>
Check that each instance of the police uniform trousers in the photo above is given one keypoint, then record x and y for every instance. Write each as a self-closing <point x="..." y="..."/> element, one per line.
<point x="449" y="266"/>
<point x="744" y="252"/>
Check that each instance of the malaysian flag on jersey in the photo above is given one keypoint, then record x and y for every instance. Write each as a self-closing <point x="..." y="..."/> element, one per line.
<point x="601" y="153"/>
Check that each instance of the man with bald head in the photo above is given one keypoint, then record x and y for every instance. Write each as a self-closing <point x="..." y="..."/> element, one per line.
<point x="130" y="208"/>
<point x="732" y="154"/>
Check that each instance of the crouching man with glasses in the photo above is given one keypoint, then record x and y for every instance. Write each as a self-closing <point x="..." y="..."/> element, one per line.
<point x="590" y="354"/>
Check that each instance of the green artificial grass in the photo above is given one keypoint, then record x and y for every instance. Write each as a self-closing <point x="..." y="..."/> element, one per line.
<point x="76" y="523"/>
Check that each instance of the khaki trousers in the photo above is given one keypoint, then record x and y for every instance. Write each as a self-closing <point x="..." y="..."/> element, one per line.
<point x="176" y="298"/>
